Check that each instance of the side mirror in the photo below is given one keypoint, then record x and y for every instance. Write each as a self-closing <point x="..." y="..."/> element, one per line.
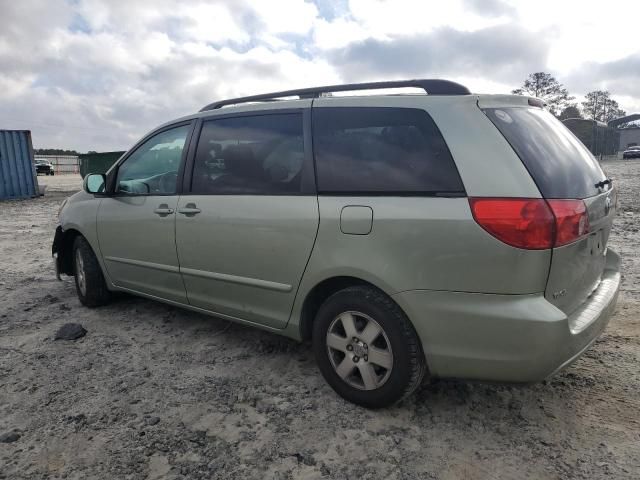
<point x="94" y="183"/>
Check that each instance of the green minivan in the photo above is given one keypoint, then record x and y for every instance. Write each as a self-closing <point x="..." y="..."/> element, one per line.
<point x="443" y="233"/>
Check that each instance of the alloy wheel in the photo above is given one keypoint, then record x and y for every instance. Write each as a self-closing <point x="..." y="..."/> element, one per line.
<point x="359" y="350"/>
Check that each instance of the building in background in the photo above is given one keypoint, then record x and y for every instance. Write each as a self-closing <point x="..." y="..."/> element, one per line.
<point x="17" y="173"/>
<point x="629" y="137"/>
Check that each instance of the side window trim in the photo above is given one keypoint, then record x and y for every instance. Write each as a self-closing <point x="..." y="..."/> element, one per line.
<point x="112" y="174"/>
<point x="308" y="184"/>
<point x="187" y="172"/>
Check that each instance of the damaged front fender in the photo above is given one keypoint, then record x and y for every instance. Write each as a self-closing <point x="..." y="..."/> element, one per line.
<point x="57" y="250"/>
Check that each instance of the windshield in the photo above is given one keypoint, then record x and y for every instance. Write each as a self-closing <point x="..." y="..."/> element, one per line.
<point x="558" y="162"/>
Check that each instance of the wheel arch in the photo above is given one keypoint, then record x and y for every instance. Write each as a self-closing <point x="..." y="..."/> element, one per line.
<point x="317" y="295"/>
<point x="64" y="250"/>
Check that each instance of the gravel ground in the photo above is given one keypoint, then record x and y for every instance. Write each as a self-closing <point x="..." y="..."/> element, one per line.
<point x="155" y="392"/>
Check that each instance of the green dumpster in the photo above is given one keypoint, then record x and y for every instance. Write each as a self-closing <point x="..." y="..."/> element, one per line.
<point x="97" y="162"/>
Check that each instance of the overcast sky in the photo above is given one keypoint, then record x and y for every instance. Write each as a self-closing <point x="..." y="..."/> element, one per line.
<point x="96" y="75"/>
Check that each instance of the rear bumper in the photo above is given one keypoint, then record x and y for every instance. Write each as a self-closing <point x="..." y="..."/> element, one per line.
<point x="512" y="338"/>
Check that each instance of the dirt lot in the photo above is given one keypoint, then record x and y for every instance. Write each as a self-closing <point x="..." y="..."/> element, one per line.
<point x="155" y="392"/>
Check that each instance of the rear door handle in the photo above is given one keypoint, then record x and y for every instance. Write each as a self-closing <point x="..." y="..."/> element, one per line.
<point x="163" y="210"/>
<point x="189" y="210"/>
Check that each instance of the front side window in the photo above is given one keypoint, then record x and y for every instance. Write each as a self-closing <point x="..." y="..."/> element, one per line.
<point x="153" y="168"/>
<point x="251" y="155"/>
<point x="381" y="151"/>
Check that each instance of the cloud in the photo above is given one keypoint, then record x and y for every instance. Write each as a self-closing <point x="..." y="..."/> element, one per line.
<point x="491" y="7"/>
<point x="102" y="105"/>
<point x="502" y="52"/>
<point x="621" y="76"/>
<point x="134" y="65"/>
<point x="97" y="74"/>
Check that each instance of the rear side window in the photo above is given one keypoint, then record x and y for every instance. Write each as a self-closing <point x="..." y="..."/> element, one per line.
<point x="381" y="150"/>
<point x="250" y="155"/>
<point x="558" y="162"/>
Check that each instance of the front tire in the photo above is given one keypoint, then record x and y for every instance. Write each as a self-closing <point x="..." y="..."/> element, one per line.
<point x="366" y="348"/>
<point x="90" y="284"/>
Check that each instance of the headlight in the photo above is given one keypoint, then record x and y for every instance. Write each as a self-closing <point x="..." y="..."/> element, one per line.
<point x="62" y="207"/>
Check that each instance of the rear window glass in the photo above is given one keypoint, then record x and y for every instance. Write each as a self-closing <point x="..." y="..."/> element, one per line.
<point x="381" y="150"/>
<point x="558" y="162"/>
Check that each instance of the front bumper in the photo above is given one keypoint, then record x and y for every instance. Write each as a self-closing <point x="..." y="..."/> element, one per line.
<point x="512" y="338"/>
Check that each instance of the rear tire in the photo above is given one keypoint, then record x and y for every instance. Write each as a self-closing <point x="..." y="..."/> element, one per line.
<point x="366" y="348"/>
<point x="90" y="284"/>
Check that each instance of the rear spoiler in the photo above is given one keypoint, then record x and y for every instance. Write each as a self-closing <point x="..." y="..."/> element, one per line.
<point x="497" y="101"/>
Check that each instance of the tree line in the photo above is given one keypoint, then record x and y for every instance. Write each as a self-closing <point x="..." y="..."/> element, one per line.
<point x="598" y="104"/>
<point x="57" y="151"/>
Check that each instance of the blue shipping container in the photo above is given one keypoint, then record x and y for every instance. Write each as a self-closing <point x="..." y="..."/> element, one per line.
<point x="17" y="172"/>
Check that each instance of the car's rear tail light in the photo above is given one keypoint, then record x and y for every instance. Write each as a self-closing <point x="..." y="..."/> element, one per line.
<point x="572" y="220"/>
<point x="531" y="223"/>
<point x="521" y="222"/>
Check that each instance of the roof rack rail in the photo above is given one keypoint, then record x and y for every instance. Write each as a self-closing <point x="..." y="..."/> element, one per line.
<point x="430" y="86"/>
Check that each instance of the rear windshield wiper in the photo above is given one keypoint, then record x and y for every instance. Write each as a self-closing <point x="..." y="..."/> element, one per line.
<point x="601" y="184"/>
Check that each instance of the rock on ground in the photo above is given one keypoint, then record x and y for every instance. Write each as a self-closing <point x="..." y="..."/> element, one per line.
<point x="9" y="437"/>
<point x="70" y="331"/>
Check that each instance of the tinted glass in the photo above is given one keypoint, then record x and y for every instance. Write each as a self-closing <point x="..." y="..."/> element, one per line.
<point x="261" y="155"/>
<point x="381" y="150"/>
<point x="558" y="162"/>
<point x="153" y="168"/>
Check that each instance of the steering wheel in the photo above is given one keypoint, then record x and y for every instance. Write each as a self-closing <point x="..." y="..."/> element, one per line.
<point x="167" y="182"/>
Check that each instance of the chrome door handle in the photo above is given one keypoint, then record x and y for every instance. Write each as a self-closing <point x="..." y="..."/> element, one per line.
<point x="163" y="210"/>
<point x="189" y="210"/>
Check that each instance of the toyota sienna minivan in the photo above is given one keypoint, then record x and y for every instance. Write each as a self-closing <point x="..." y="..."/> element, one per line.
<point x="441" y="233"/>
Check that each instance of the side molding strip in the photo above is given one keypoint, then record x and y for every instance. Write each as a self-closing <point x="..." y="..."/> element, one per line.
<point x="139" y="263"/>
<point x="223" y="277"/>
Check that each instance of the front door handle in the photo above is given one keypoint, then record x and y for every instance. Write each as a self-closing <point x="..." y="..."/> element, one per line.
<point x="189" y="210"/>
<point x="163" y="210"/>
